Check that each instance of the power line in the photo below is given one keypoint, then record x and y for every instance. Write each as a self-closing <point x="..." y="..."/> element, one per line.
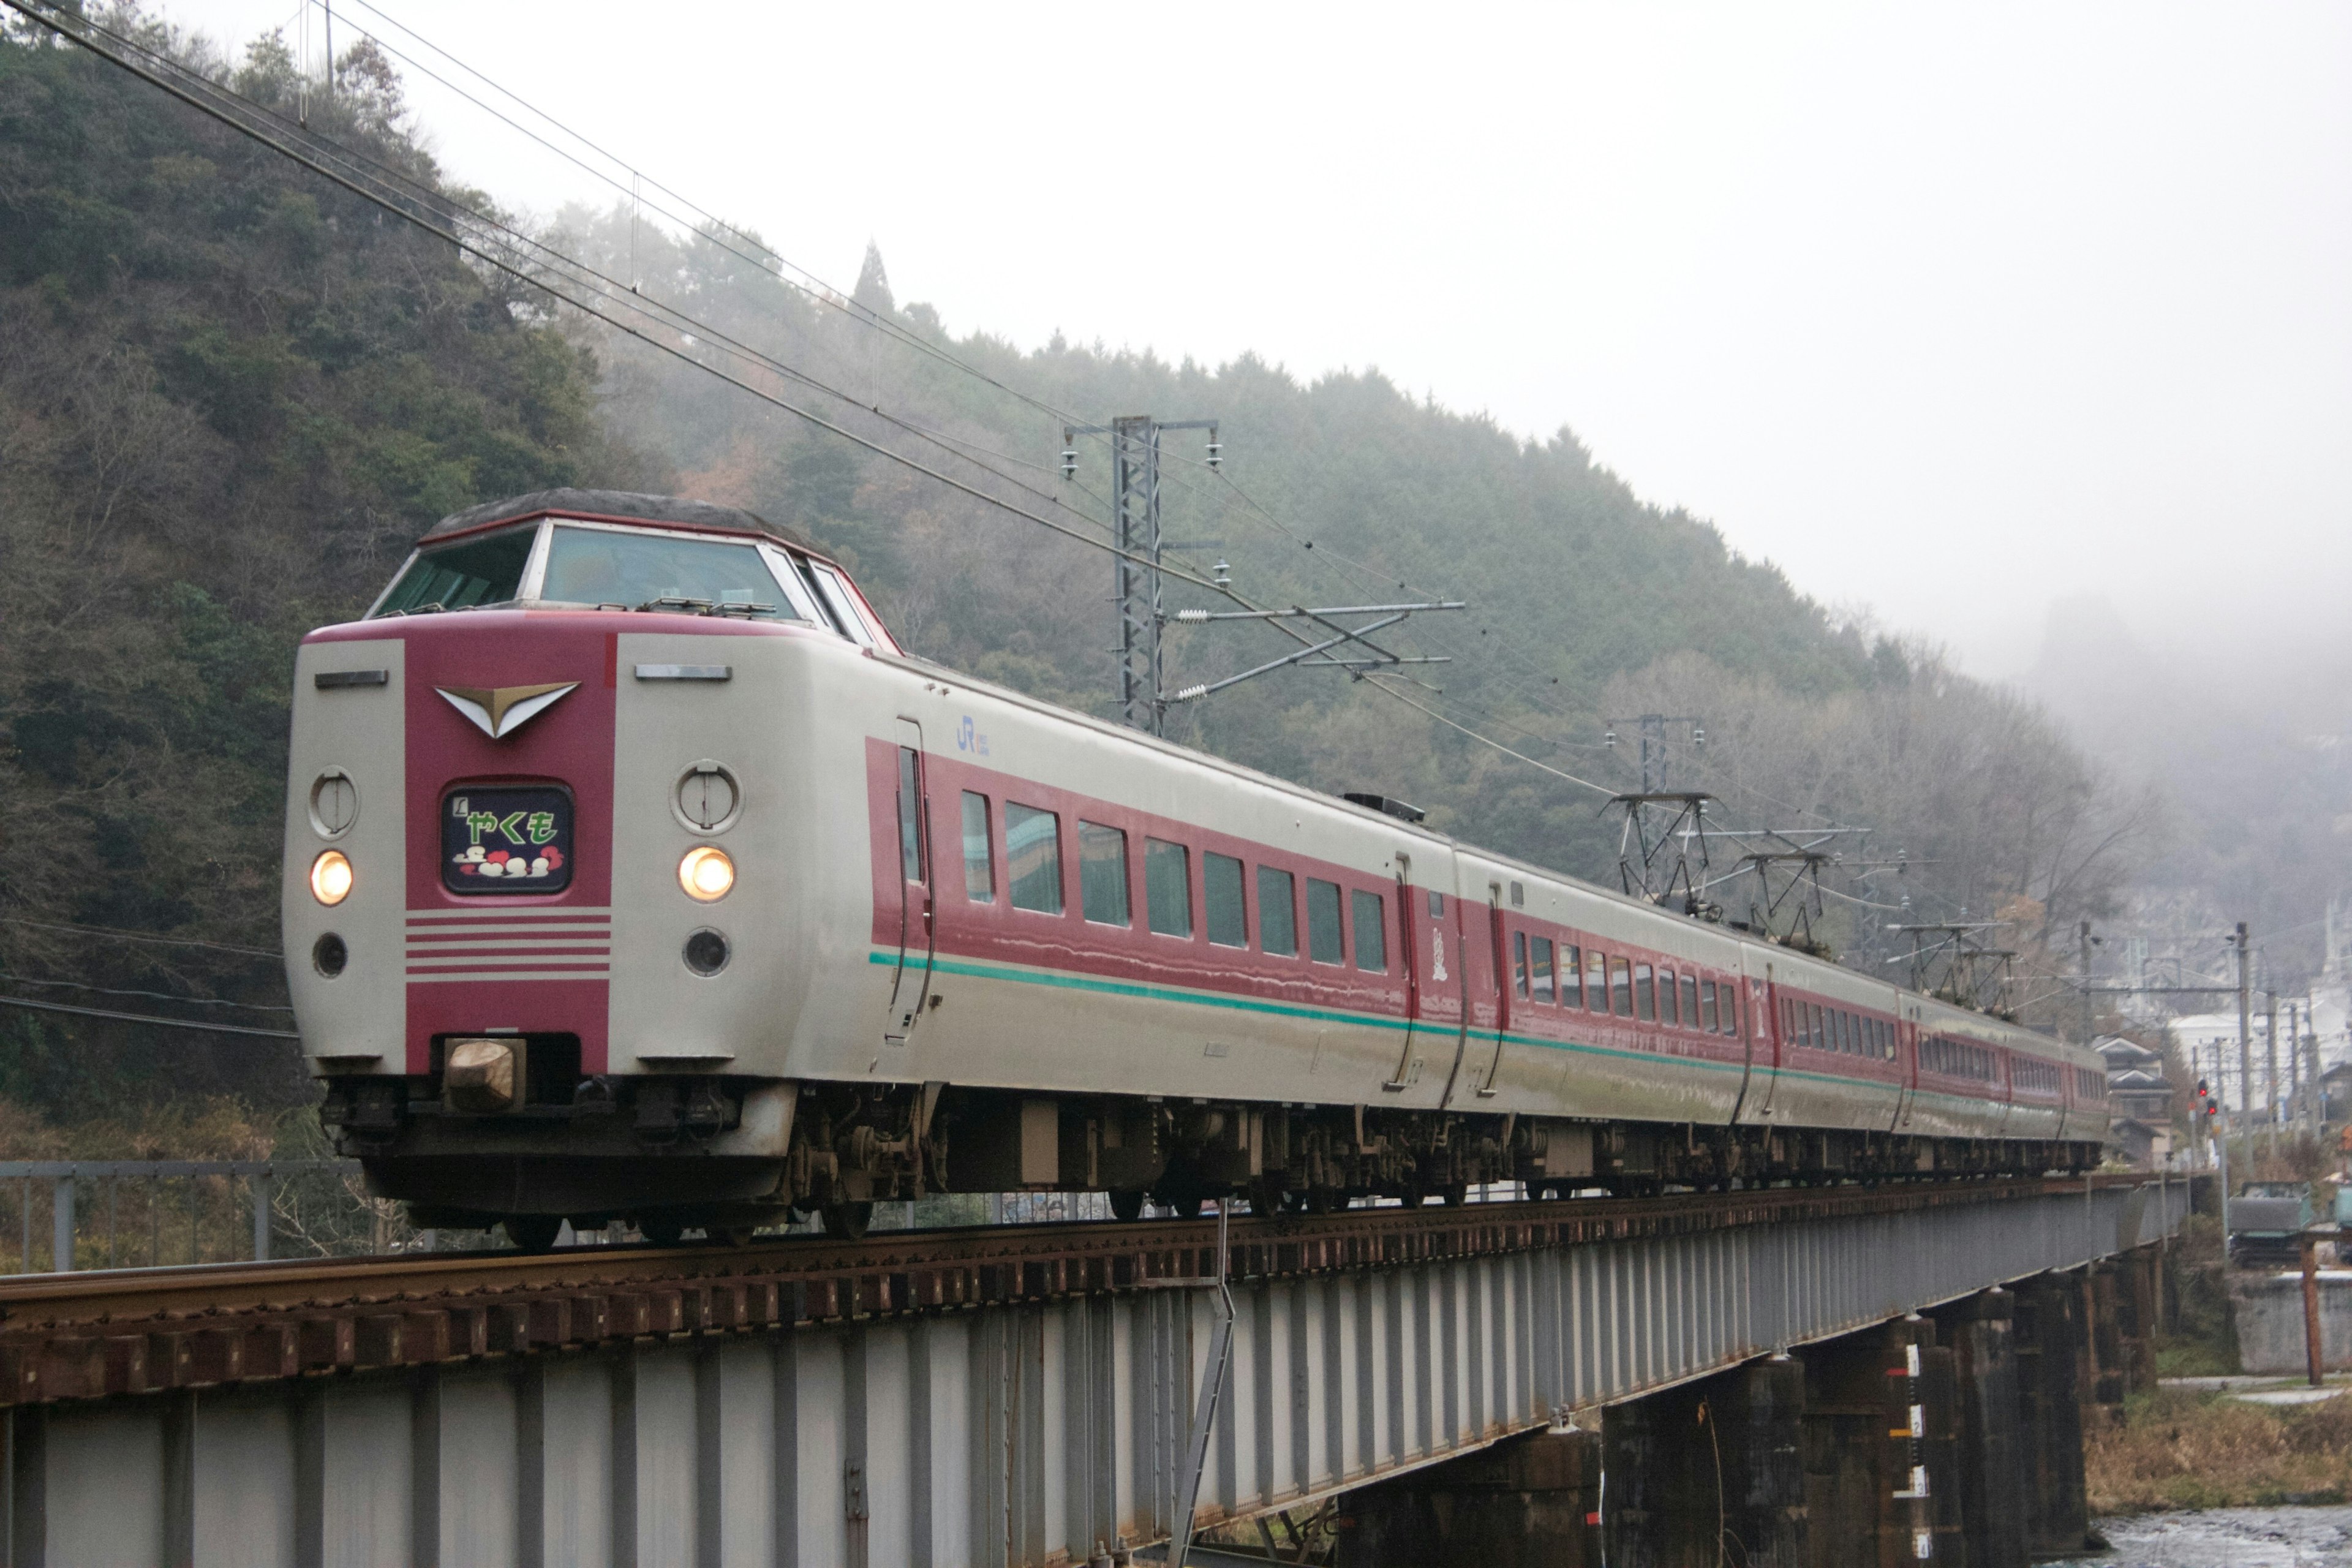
<point x="152" y="996"/>
<point x="204" y="1028"/>
<point x="144" y="937"/>
<point x="78" y="30"/>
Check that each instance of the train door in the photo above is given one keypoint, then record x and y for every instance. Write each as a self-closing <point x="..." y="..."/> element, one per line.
<point x="1429" y="922"/>
<point x="1761" y="1034"/>
<point x="1485" y="993"/>
<point x="1906" y="1056"/>
<point x="910" y="982"/>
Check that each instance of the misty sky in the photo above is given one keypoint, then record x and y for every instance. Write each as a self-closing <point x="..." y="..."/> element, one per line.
<point x="1953" y="313"/>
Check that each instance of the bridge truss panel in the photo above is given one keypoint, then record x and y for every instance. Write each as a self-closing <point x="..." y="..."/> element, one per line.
<point x="1022" y="1432"/>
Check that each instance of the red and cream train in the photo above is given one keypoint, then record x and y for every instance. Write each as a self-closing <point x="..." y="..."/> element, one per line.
<point x="632" y="870"/>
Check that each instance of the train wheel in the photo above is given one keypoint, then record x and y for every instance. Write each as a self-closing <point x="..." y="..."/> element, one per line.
<point x="1187" y="1205"/>
<point x="1455" y="1195"/>
<point x="662" y="1230"/>
<point x="1320" y="1200"/>
<point x="533" y="1231"/>
<point x="1127" y="1203"/>
<point x="846" y="1222"/>
<point x="731" y="1235"/>
<point x="1266" y="1195"/>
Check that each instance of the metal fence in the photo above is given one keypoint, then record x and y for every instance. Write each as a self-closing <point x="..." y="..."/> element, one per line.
<point x="125" y="1214"/>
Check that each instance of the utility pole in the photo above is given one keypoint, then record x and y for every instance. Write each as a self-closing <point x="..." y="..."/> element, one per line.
<point x="2083" y="967"/>
<point x="2245" y="1031"/>
<point x="2270" y="1056"/>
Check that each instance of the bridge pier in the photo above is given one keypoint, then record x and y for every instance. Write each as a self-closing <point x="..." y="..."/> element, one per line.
<point x="1804" y="1460"/>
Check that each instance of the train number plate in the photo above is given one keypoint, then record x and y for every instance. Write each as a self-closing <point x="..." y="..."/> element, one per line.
<point x="506" y="840"/>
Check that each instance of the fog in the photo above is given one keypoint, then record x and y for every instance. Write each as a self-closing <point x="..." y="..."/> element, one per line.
<point x="1956" y="313"/>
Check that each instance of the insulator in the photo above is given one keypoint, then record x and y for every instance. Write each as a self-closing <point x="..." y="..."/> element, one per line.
<point x="1698" y="735"/>
<point x="1224" y="574"/>
<point x="1069" y="462"/>
<point x="1609" y="739"/>
<point x="1216" y="453"/>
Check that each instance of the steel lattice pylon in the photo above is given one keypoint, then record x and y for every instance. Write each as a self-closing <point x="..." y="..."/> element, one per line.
<point x="1134" y="587"/>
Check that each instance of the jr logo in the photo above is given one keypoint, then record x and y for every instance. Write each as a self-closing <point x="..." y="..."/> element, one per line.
<point x="968" y="739"/>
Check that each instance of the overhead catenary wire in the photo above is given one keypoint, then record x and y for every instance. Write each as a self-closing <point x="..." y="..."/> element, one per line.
<point x="198" y="1025"/>
<point x="148" y="938"/>
<point x="150" y="995"/>
<point x="203" y="97"/>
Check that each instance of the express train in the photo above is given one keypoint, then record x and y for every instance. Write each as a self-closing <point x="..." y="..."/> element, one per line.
<point x="634" y="871"/>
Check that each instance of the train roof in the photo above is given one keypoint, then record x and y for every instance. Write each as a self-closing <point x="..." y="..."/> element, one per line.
<point x="617" y="506"/>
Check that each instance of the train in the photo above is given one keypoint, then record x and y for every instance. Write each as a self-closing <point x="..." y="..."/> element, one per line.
<point x="633" y="872"/>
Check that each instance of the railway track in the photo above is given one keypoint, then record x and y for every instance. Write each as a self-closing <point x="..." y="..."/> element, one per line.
<point x="89" y="1335"/>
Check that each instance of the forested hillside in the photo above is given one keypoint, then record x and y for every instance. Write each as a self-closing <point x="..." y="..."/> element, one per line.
<point x="231" y="394"/>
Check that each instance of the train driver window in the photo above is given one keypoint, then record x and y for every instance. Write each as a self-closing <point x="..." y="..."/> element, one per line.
<point x="1370" y="914"/>
<point x="485" y="571"/>
<point x="1571" y="975"/>
<point x="979" y="870"/>
<point x="1326" y="943"/>
<point x="1620" y="987"/>
<point x="1706" y="1005"/>
<point x="1277" y="912"/>
<point x="1669" y="1010"/>
<point x="1519" y="962"/>
<point x="1540" y="970"/>
<point x="1102" y="873"/>
<point x="1690" y="1002"/>
<point x="1168" y="887"/>
<point x="1032" y="857"/>
<point x="1220" y="885"/>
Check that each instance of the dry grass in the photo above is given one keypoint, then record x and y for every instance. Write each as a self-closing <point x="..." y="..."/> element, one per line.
<point x="2175" y="1450"/>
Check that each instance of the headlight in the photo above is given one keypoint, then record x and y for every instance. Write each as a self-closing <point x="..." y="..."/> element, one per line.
<point x="706" y="873"/>
<point x="330" y="876"/>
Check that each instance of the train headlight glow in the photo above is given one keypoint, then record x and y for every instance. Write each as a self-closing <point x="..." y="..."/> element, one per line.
<point x="330" y="876"/>
<point x="706" y="873"/>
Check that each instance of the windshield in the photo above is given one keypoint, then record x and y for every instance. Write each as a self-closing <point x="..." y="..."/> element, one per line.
<point x="604" y="566"/>
<point x="486" y="571"/>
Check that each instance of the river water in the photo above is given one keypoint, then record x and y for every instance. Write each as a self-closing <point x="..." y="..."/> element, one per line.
<point x="2227" y="1538"/>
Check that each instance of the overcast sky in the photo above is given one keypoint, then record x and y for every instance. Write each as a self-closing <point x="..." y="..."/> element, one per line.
<point x="1952" y="312"/>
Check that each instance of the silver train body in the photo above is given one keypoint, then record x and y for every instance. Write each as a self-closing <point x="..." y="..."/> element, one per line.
<point x="667" y="889"/>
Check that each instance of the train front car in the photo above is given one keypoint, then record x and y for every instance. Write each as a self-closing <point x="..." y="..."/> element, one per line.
<point x="544" y="902"/>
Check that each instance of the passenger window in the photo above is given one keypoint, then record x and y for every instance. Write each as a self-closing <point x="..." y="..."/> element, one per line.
<point x="1436" y="906"/>
<point x="1668" y="1012"/>
<point x="1519" y="962"/>
<point x="1620" y="987"/>
<point x="1571" y="976"/>
<point x="1371" y="918"/>
<point x="1706" y="1005"/>
<point x="979" y="870"/>
<point x="1032" y="857"/>
<point x="1102" y="873"/>
<point x="1541" y="969"/>
<point x="910" y="815"/>
<point x="1690" y="1002"/>
<point x="1730" y="1008"/>
<point x="1168" y="887"/>
<point x="1277" y="912"/>
<point x="1220" y="885"/>
<point x="1325" y="942"/>
<point x="1646" y="994"/>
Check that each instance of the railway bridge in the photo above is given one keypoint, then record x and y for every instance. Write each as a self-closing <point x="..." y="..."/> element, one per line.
<point x="1027" y="1394"/>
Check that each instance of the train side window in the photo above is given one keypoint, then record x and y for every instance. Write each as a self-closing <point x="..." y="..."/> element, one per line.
<point x="1571" y="975"/>
<point x="1372" y="919"/>
<point x="1032" y="857"/>
<point x="910" y="815"/>
<point x="1325" y="942"/>
<point x="1102" y="873"/>
<point x="1646" y="994"/>
<point x="1220" y="885"/>
<point x="1277" y="912"/>
<point x="1706" y="1005"/>
<point x="979" y="868"/>
<point x="1841" y="1030"/>
<point x="1436" y="906"/>
<point x="1669" y="1010"/>
<point x="1519" y="962"/>
<point x="1730" y="1008"/>
<point x="1690" y="1002"/>
<point x="1540" y="969"/>
<point x="1620" y="987"/>
<point x="1168" y="887"/>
